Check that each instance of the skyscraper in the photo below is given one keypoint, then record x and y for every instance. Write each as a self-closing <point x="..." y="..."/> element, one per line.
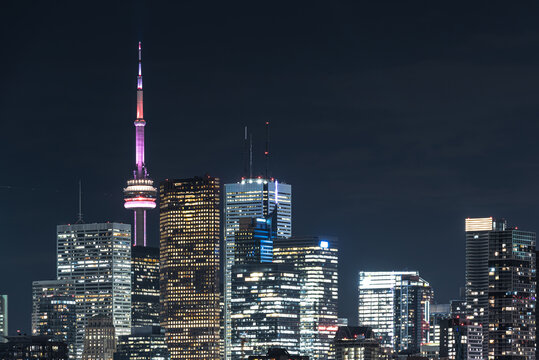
<point x="140" y="194"/>
<point x="96" y="258"/>
<point x="144" y="343"/>
<point x="54" y="311"/>
<point x="145" y="286"/>
<point x="190" y="241"/>
<point x="315" y="258"/>
<point x="396" y="305"/>
<point x="251" y="198"/>
<point x="501" y="287"/>
<point x="265" y="308"/>
<point x="459" y="340"/>
<point x="265" y="296"/>
<point x="99" y="339"/>
<point x="3" y="317"/>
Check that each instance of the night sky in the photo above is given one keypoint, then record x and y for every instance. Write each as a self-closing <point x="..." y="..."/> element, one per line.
<point x="393" y="121"/>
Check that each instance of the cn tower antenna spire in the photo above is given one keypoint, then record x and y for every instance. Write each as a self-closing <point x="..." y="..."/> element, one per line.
<point x="140" y="194"/>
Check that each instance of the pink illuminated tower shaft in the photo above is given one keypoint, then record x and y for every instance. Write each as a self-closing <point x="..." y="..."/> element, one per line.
<point x="140" y="123"/>
<point x="140" y="195"/>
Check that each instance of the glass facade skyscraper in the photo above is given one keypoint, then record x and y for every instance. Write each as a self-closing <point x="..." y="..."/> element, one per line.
<point x="396" y="305"/>
<point x="145" y="286"/>
<point x="265" y="309"/>
<point x="96" y="258"/>
<point x="501" y="287"/>
<point x="251" y="198"/>
<point x="190" y="237"/>
<point x="315" y="258"/>
<point x="54" y="311"/>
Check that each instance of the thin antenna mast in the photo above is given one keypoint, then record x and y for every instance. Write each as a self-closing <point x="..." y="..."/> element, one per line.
<point x="80" y="221"/>
<point x="250" y="156"/>
<point x="245" y="154"/>
<point x="266" y="153"/>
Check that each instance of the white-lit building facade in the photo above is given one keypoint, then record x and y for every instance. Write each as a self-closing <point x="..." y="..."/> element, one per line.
<point x="315" y="258"/>
<point x="97" y="259"/>
<point x="396" y="306"/>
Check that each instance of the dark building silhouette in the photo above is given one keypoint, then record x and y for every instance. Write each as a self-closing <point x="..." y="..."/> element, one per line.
<point x="32" y="347"/>
<point x="145" y="286"/>
<point x="355" y="343"/>
<point x="278" y="354"/>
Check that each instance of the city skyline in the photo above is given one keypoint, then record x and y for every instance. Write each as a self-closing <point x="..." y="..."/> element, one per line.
<point x="367" y="160"/>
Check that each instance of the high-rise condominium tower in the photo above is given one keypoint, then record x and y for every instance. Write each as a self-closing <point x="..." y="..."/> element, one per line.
<point x="54" y="311"/>
<point x="140" y="195"/>
<point x="501" y="287"/>
<point x="3" y="316"/>
<point x="396" y="305"/>
<point x="190" y="241"/>
<point x="251" y="198"/>
<point x="96" y="258"/>
<point x="315" y="258"/>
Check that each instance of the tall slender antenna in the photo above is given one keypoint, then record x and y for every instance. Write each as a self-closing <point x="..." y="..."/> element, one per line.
<point x="250" y="156"/>
<point x="266" y="153"/>
<point x="245" y="155"/>
<point x="79" y="220"/>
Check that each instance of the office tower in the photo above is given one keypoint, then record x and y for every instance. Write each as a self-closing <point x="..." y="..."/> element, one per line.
<point x="140" y="194"/>
<point x="501" y="287"/>
<point x="265" y="295"/>
<point x="54" y="311"/>
<point x="97" y="259"/>
<point x="99" y="339"/>
<point x="355" y="343"/>
<point x="251" y="198"/>
<point x="190" y="240"/>
<point x="145" y="286"/>
<point x="278" y="354"/>
<point x="315" y="258"/>
<point x="254" y="240"/>
<point x="32" y="347"/>
<point x="459" y="340"/>
<point x="396" y="305"/>
<point x="265" y="308"/>
<point x="438" y="312"/>
<point x="144" y="343"/>
<point x="3" y="317"/>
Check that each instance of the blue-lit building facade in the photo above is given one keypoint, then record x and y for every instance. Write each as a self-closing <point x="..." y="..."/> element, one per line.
<point x="315" y="258"/>
<point x="250" y="198"/>
<point x="265" y="309"/>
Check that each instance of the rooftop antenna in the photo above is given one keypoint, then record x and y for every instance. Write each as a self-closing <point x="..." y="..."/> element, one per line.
<point x="266" y="153"/>
<point x="79" y="220"/>
<point x="250" y="156"/>
<point x="245" y="154"/>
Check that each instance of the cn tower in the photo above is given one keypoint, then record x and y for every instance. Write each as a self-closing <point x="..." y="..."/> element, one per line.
<point x="140" y="195"/>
